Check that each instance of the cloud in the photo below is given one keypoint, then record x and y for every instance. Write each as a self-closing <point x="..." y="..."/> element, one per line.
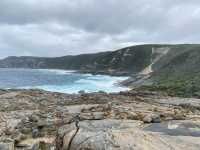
<point x="62" y="27"/>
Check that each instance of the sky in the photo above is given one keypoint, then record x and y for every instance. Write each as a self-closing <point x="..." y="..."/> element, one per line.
<point x="54" y="28"/>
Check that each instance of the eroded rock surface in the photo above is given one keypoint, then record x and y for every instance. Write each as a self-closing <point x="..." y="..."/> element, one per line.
<point x="40" y="120"/>
<point x="131" y="135"/>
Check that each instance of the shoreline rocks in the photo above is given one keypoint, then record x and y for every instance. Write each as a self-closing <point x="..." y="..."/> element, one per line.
<point x="37" y="119"/>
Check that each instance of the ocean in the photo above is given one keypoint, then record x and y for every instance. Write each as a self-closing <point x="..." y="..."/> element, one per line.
<point x="58" y="81"/>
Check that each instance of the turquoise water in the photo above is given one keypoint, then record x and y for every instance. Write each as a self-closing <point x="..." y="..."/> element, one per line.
<point x="58" y="81"/>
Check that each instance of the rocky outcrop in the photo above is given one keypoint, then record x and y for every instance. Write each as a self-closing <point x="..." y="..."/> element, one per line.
<point x="130" y="134"/>
<point x="36" y="119"/>
<point x="99" y="135"/>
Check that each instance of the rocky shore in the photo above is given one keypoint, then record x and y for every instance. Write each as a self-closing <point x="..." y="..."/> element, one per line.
<point x="133" y="120"/>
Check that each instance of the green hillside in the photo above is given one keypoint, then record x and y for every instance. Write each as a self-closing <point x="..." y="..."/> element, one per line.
<point x="178" y="72"/>
<point x="174" y="69"/>
<point x="128" y="60"/>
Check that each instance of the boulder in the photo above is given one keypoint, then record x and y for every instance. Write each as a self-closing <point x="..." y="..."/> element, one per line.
<point x="152" y="118"/>
<point x="130" y="135"/>
<point x="98" y="135"/>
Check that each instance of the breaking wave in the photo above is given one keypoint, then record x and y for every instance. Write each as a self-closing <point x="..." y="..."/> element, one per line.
<point x="59" y="80"/>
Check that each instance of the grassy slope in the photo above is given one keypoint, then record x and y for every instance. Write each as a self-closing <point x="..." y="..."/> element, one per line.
<point x="178" y="73"/>
<point x="131" y="59"/>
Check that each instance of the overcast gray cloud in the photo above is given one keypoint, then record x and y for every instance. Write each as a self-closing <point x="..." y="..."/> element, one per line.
<point x="62" y="27"/>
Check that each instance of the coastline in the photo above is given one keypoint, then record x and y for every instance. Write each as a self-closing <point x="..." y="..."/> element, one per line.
<point x="34" y="118"/>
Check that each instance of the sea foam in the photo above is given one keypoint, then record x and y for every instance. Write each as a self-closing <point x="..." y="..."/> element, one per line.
<point x="65" y="81"/>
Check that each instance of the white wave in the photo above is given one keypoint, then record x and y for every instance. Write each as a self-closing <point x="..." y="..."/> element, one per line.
<point x="57" y="71"/>
<point x="76" y="89"/>
<point x="83" y="84"/>
<point x="89" y="83"/>
<point x="102" y="79"/>
<point x="94" y="83"/>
